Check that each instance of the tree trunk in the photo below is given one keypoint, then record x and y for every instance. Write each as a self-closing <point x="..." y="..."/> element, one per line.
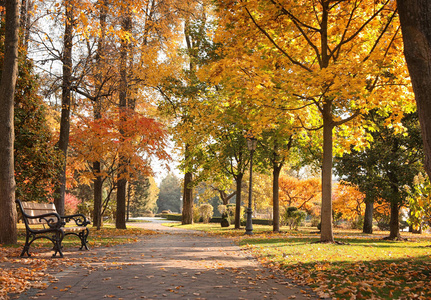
<point x="187" y="213"/>
<point x="97" y="193"/>
<point x="8" y="230"/>
<point x="97" y="112"/>
<point x="415" y="17"/>
<point x="63" y="141"/>
<point x="275" y="197"/>
<point x="238" y="179"/>
<point x="326" y="235"/>
<point x="368" y="218"/>
<point x="120" y="220"/>
<point x="394" y="223"/>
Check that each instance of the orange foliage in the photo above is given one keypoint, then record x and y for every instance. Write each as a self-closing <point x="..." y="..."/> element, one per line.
<point x="348" y="200"/>
<point x="141" y="139"/>
<point x="303" y="194"/>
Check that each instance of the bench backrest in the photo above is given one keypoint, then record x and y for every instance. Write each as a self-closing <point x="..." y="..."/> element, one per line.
<point x="35" y="209"/>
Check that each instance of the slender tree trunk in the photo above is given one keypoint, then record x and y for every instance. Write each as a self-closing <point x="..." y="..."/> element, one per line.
<point x="120" y="221"/>
<point x="368" y="218"/>
<point x="63" y="142"/>
<point x="326" y="234"/>
<point x="97" y="193"/>
<point x="97" y="168"/>
<point x="415" y="17"/>
<point x="8" y="230"/>
<point x="238" y="179"/>
<point x="275" y="197"/>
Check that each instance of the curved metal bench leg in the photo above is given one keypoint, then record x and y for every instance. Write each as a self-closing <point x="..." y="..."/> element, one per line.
<point x="57" y="239"/>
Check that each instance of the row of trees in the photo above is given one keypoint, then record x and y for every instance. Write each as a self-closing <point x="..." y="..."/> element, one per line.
<point x="289" y="73"/>
<point x="311" y="80"/>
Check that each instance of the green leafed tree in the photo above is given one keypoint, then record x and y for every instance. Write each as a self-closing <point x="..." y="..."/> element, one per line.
<point x="170" y="194"/>
<point x="383" y="171"/>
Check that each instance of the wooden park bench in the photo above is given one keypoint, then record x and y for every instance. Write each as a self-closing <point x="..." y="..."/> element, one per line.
<point x="42" y="221"/>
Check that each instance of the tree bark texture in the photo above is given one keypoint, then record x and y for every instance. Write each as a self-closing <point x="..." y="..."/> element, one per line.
<point x="66" y="93"/>
<point x="326" y="235"/>
<point x="8" y="229"/>
<point x="187" y="213"/>
<point x="275" y="197"/>
<point x="368" y="218"/>
<point x="394" y="223"/>
<point x="415" y="17"/>
<point x="238" y="180"/>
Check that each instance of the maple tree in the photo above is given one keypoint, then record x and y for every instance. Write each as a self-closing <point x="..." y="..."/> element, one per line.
<point x="348" y="201"/>
<point x="9" y="71"/>
<point x="300" y="193"/>
<point x="332" y="59"/>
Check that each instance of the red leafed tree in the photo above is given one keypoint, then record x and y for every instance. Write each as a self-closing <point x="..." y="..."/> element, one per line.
<point x="140" y="140"/>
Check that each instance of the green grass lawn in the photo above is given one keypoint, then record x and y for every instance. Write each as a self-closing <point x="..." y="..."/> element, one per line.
<point x="365" y="266"/>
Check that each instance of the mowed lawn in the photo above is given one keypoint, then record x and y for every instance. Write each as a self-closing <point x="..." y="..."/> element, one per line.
<point x="361" y="266"/>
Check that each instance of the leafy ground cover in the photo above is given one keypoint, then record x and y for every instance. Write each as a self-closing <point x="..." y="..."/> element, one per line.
<point x="19" y="274"/>
<point x="364" y="267"/>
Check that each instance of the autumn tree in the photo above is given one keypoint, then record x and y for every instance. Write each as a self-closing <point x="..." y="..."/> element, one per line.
<point x="332" y="59"/>
<point x="300" y="193"/>
<point x="8" y="230"/>
<point x="182" y="89"/>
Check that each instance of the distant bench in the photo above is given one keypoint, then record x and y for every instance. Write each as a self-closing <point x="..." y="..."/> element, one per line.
<point x="42" y="221"/>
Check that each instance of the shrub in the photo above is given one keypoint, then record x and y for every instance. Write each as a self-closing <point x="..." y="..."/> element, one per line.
<point x="293" y="217"/>
<point x="71" y="204"/>
<point x="222" y="209"/>
<point x="196" y="215"/>
<point x="206" y="212"/>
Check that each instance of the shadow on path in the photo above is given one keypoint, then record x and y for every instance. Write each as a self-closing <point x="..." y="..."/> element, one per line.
<point x="176" y="264"/>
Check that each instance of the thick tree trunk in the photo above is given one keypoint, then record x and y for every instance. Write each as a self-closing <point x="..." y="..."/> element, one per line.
<point x="394" y="222"/>
<point x="187" y="213"/>
<point x="326" y="235"/>
<point x="8" y="230"/>
<point x="368" y="218"/>
<point x="415" y="17"/>
<point x="63" y="142"/>
<point x="275" y="197"/>
<point x="120" y="216"/>
<point x="238" y="179"/>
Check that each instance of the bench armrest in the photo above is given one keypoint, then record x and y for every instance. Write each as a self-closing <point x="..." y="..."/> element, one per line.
<point x="79" y="219"/>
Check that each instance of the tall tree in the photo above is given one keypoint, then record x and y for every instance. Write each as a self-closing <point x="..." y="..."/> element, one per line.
<point x="320" y="59"/>
<point x="8" y="230"/>
<point x="170" y="194"/>
<point x="66" y="96"/>
<point x="415" y="17"/>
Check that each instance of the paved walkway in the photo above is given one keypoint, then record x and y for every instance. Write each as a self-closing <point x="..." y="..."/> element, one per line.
<point x="176" y="264"/>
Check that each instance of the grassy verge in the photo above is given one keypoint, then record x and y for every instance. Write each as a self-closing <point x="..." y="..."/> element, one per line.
<point x="365" y="267"/>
